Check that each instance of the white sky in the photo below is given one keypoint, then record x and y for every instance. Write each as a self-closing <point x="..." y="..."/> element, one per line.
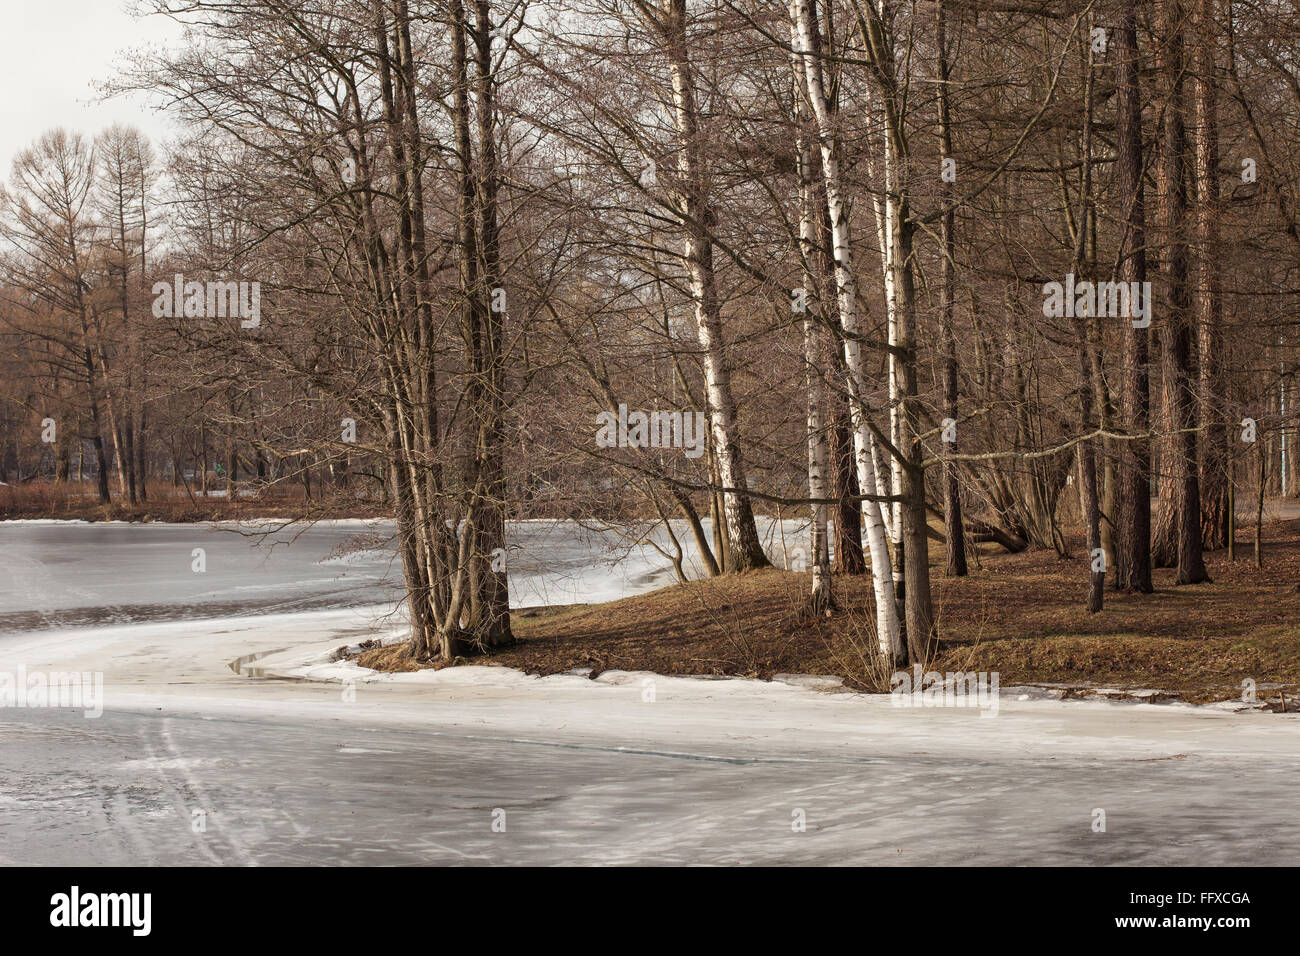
<point x="51" y="54"/>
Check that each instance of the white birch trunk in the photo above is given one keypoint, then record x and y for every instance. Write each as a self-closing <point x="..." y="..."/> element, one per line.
<point x="803" y="38"/>
<point x="886" y="216"/>
<point x="891" y="285"/>
<point x="818" y="453"/>
<point x="743" y="546"/>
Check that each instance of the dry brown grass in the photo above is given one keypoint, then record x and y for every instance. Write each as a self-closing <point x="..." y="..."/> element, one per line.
<point x="1021" y="615"/>
<point x="166" y="502"/>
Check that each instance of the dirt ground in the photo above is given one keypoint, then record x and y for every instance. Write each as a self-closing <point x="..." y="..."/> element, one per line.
<point x="1020" y="615"/>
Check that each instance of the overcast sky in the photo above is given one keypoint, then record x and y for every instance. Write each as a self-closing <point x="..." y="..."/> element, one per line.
<point x="51" y="54"/>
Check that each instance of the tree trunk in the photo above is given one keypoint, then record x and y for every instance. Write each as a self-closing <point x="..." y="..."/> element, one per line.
<point x="493" y="630"/>
<point x="1087" y="387"/>
<point x="820" y="600"/>
<point x="1207" y="298"/>
<point x="1179" y="383"/>
<point x="806" y="43"/>
<point x="1260" y="487"/>
<point x="954" y="536"/>
<point x="745" y="549"/>
<point x="847" y="512"/>
<point x="1133" y="527"/>
<point x="687" y="508"/>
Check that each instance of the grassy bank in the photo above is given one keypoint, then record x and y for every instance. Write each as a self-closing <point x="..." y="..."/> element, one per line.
<point x="1020" y="615"/>
<point x="163" y="501"/>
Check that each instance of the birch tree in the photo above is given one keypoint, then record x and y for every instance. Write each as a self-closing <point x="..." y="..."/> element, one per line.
<point x="744" y="551"/>
<point x="805" y="42"/>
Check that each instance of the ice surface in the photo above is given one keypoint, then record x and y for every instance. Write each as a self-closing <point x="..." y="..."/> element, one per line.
<point x="60" y="573"/>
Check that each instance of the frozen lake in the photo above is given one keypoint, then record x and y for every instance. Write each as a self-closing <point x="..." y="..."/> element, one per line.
<point x="71" y="574"/>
